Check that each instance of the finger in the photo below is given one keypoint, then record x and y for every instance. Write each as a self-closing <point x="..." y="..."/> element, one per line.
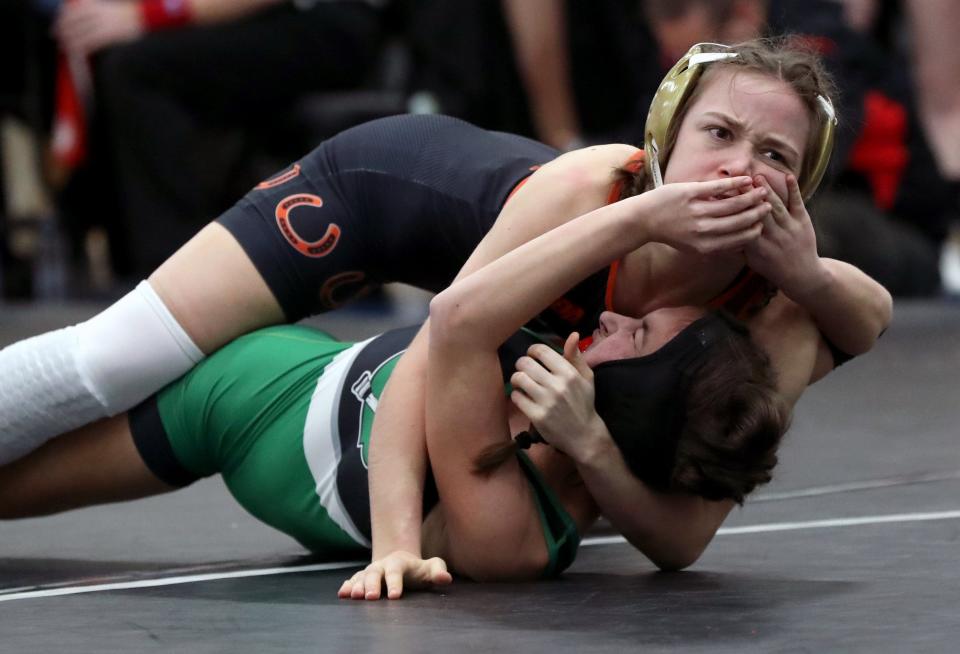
<point x="571" y="352"/>
<point x="779" y="210"/>
<point x="345" y="588"/>
<point x="522" y="382"/>
<point x="794" y="197"/>
<point x="527" y="407"/>
<point x="734" y="204"/>
<point x="552" y="360"/>
<point x="735" y="241"/>
<point x="733" y="224"/>
<point x="770" y="226"/>
<point x="394" y="579"/>
<point x="372" y="582"/>
<point x="706" y="190"/>
<point x="533" y="368"/>
<point x="357" y="591"/>
<point x="356" y="584"/>
<point x="550" y="379"/>
<point x="438" y="572"/>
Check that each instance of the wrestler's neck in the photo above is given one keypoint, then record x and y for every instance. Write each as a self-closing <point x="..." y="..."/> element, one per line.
<point x="658" y="275"/>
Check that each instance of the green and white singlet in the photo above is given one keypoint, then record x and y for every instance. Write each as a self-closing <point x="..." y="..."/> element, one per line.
<point x="285" y="415"/>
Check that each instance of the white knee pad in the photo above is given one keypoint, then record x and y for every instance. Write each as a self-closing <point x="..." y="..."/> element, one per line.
<point x="61" y="380"/>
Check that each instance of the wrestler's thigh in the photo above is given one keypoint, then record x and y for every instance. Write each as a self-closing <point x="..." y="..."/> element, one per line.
<point x="214" y="291"/>
<point x="96" y="464"/>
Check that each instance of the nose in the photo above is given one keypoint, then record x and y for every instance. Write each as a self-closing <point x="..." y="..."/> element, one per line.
<point x="611" y="322"/>
<point x="607" y="322"/>
<point x="738" y="162"/>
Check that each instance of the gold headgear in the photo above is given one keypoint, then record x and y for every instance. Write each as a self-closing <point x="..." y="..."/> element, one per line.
<point x="674" y="91"/>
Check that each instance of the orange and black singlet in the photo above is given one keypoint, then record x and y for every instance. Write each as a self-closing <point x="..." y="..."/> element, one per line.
<point x="405" y="198"/>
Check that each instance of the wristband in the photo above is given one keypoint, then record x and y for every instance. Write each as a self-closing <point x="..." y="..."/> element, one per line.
<point x="164" y="14"/>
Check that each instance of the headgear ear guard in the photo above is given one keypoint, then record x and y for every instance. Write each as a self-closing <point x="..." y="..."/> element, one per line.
<point x="676" y="88"/>
<point x="643" y="400"/>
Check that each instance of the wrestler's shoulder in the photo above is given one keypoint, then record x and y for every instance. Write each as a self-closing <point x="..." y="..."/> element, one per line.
<point x="593" y="165"/>
<point x="614" y="154"/>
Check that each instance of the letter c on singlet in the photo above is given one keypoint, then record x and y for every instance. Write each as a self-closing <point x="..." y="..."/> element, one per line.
<point x="314" y="249"/>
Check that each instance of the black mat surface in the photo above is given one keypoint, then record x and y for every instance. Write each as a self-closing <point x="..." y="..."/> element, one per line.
<point x="854" y="547"/>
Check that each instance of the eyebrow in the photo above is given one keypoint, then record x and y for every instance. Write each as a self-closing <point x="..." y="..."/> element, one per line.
<point x="772" y="140"/>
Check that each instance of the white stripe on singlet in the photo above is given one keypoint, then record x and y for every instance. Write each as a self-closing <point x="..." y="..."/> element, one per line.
<point x="321" y="439"/>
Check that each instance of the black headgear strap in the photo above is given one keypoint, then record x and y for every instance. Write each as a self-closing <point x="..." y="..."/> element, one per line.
<point x="643" y="400"/>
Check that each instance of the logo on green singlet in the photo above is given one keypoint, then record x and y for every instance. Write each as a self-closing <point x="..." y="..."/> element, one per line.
<point x="367" y="390"/>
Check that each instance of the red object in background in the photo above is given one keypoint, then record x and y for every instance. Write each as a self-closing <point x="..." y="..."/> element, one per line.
<point x="880" y="154"/>
<point x="68" y="142"/>
<point x="69" y="135"/>
<point x="163" y="14"/>
<point x="822" y="45"/>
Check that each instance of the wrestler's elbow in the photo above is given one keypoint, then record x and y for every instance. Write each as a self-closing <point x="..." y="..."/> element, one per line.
<point x="676" y="552"/>
<point x="884" y="311"/>
<point x="448" y="318"/>
<point x="677" y="558"/>
<point x="871" y="314"/>
<point x="862" y="341"/>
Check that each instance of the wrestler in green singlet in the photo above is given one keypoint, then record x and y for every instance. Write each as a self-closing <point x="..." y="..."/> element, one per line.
<point x="285" y="415"/>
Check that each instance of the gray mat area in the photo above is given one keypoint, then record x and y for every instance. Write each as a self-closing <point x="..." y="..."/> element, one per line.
<point x="874" y="441"/>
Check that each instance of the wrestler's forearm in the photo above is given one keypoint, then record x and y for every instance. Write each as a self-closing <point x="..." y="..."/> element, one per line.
<point x="484" y="308"/>
<point x="849" y="307"/>
<point x="398" y="456"/>
<point x="671" y="530"/>
<point x="492" y="524"/>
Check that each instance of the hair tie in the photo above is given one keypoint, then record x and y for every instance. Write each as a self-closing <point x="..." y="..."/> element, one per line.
<point x="525" y="439"/>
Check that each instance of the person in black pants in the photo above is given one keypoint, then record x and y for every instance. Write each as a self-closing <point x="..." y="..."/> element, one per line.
<point x="170" y="76"/>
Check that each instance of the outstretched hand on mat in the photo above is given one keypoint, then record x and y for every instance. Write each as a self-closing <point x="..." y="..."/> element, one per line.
<point x="395" y="569"/>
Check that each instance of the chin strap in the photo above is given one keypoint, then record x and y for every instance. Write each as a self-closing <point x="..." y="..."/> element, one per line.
<point x="655" y="165"/>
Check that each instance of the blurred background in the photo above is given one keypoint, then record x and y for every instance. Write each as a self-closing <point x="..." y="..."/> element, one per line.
<point x="126" y="125"/>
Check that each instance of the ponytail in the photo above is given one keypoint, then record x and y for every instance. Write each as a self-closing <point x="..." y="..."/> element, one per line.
<point x="494" y="456"/>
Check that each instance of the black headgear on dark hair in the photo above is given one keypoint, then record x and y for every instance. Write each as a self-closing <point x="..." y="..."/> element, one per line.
<point x="642" y="400"/>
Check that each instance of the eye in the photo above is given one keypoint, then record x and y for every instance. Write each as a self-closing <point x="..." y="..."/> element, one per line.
<point x="638" y="337"/>
<point x="721" y="133"/>
<point x="773" y="155"/>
